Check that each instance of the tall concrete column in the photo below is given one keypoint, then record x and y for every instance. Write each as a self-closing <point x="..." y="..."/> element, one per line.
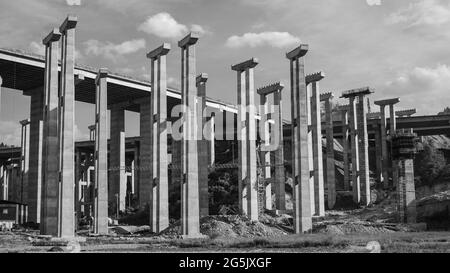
<point x="67" y="133"/>
<point x="24" y="160"/>
<point x="331" y="174"/>
<point x="345" y="145"/>
<point x="392" y="129"/>
<point x="363" y="151"/>
<point x="316" y="124"/>
<point x="378" y="154"/>
<point x="190" y="214"/>
<point x="300" y="162"/>
<point x="49" y="223"/>
<point x="359" y="142"/>
<point x="384" y="139"/>
<point x="78" y="188"/>
<point x="1" y="84"/>
<point x="248" y="180"/>
<point x="212" y="139"/>
<point x="101" y="154"/>
<point x="159" y="199"/>
<point x="403" y="145"/>
<point x="136" y="169"/>
<point x="202" y="146"/>
<point x="117" y="184"/>
<point x="145" y="163"/>
<point x="36" y="141"/>
<point x="273" y="142"/>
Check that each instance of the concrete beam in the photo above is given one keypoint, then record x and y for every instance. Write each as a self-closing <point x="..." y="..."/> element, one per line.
<point x="298" y="52"/>
<point x="269" y="89"/>
<point x="253" y="62"/>
<point x="357" y="92"/>
<point x="160" y="51"/>
<point x="53" y="36"/>
<point x="189" y="40"/>
<point x="387" y="102"/>
<point x="314" y="77"/>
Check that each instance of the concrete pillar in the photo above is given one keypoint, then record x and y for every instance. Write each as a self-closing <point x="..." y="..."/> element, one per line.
<point x="384" y="139"/>
<point x="78" y="188"/>
<point x="101" y="155"/>
<point x="24" y="160"/>
<point x="49" y="223"/>
<point x="280" y="178"/>
<point x="378" y="154"/>
<point x="311" y="154"/>
<point x="345" y="146"/>
<point x="135" y="169"/>
<point x="145" y="163"/>
<point x="202" y="146"/>
<point x="356" y="187"/>
<point x="272" y="137"/>
<point x="359" y="142"/>
<point x="331" y="174"/>
<point x="316" y="124"/>
<point x="35" y="159"/>
<point x="67" y="133"/>
<point x="212" y="139"/>
<point x="363" y="151"/>
<point x="159" y="199"/>
<point x="1" y="84"/>
<point x="117" y="184"/>
<point x="247" y="178"/>
<point x="403" y="156"/>
<point x="300" y="162"/>
<point x="190" y="214"/>
<point x="392" y="129"/>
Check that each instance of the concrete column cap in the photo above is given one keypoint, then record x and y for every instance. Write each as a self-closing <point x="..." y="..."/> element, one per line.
<point x="357" y="92"/>
<point x="160" y="51"/>
<point x="70" y="23"/>
<point x="202" y="78"/>
<point x="53" y="36"/>
<point x="102" y="73"/>
<point x="314" y="77"/>
<point x="251" y="63"/>
<point x="298" y="52"/>
<point x="326" y="96"/>
<point x="189" y="40"/>
<point x="24" y="122"/>
<point x="272" y="88"/>
<point x="387" y="102"/>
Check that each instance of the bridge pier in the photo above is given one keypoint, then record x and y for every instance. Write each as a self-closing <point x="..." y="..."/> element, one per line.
<point x="359" y="142"/>
<point x="317" y="188"/>
<point x="300" y="160"/>
<point x="330" y="166"/>
<point x="101" y="155"/>
<point x="385" y="162"/>
<point x="272" y="137"/>
<point x="246" y="128"/>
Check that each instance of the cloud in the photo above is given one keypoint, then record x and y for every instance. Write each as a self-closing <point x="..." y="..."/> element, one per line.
<point x="165" y="26"/>
<point x="373" y="2"/>
<point x="37" y="48"/>
<point x="113" y="51"/>
<point x="73" y="2"/>
<point x="11" y="132"/>
<point x="423" y="12"/>
<point x="425" y="88"/>
<point x="274" y="39"/>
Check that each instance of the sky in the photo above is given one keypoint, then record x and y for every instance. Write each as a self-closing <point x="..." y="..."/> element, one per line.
<point x="399" y="48"/>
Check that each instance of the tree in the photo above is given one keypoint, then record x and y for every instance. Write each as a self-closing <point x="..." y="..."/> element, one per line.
<point x="429" y="164"/>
